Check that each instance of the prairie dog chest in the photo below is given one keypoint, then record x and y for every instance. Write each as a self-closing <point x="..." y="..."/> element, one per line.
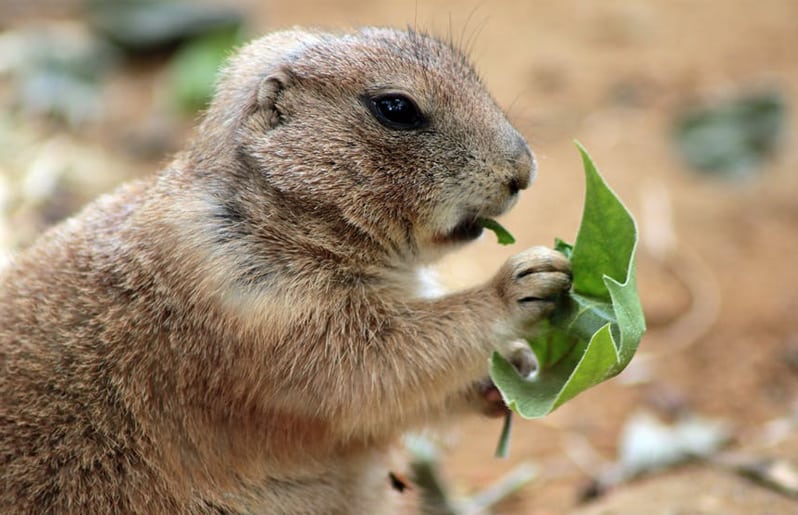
<point x="428" y="284"/>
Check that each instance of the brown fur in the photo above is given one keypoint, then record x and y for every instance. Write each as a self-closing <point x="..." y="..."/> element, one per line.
<point x="244" y="332"/>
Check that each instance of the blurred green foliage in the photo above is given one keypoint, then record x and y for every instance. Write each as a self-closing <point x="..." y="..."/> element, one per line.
<point x="194" y="67"/>
<point x="202" y="36"/>
<point x="732" y="138"/>
<point x="151" y="25"/>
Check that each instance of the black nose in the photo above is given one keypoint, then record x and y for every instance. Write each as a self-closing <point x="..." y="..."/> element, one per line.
<point x="514" y="186"/>
<point x="523" y="166"/>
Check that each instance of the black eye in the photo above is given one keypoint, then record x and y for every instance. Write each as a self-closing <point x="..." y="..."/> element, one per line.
<point x="396" y="111"/>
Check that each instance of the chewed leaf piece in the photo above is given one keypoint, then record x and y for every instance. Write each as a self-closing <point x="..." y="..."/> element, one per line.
<point x="595" y="331"/>
<point x="502" y="234"/>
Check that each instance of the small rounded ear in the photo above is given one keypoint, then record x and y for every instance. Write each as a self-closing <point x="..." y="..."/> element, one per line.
<point x="269" y="89"/>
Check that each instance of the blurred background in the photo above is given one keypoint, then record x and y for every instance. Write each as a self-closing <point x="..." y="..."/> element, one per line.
<point x="687" y="108"/>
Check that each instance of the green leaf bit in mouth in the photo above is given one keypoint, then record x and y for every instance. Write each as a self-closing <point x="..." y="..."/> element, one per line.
<point x="502" y="234"/>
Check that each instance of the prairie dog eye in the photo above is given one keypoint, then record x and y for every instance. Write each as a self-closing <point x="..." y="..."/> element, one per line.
<point x="396" y="111"/>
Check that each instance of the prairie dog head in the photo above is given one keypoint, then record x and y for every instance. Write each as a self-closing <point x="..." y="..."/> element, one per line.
<point x="390" y="131"/>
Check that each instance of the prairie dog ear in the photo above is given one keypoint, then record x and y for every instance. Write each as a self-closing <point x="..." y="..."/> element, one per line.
<point x="269" y="90"/>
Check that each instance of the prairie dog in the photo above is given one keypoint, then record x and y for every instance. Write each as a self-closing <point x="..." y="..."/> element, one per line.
<point x="242" y="333"/>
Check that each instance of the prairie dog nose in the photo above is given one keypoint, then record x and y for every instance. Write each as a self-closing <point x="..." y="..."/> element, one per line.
<point x="523" y="166"/>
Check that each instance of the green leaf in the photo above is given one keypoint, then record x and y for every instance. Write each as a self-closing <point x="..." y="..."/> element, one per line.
<point x="595" y="330"/>
<point x="563" y="247"/>
<point x="502" y="234"/>
<point x="503" y="449"/>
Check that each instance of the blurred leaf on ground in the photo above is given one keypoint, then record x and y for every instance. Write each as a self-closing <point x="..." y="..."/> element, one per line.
<point x="731" y="138"/>
<point x="150" y="25"/>
<point x="648" y="444"/>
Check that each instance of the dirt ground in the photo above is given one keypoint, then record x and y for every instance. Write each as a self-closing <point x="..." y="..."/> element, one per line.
<point x="718" y="271"/>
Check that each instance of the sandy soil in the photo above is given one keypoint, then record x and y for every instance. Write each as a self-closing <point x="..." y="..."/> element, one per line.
<point x="717" y="271"/>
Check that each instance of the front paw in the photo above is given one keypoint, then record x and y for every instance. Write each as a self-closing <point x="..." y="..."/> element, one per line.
<point x="530" y="283"/>
<point x="488" y="399"/>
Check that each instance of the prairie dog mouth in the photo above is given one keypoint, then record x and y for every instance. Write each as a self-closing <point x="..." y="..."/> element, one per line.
<point x="470" y="226"/>
<point x="467" y="230"/>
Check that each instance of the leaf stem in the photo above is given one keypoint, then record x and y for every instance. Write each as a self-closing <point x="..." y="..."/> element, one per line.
<point x="503" y="449"/>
